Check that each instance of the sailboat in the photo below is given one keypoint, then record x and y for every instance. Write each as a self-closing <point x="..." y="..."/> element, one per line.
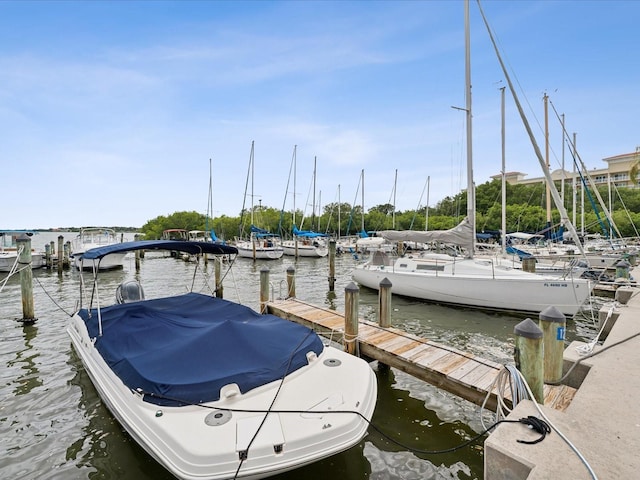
<point x="465" y="280"/>
<point x="261" y="244"/>
<point x="304" y="243"/>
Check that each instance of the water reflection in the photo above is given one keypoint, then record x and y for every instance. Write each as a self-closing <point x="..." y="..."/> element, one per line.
<point x="26" y="361"/>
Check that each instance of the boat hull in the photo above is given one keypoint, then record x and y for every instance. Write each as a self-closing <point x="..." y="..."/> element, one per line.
<point x="303" y="250"/>
<point x="192" y="444"/>
<point x="8" y="260"/>
<point x="490" y="287"/>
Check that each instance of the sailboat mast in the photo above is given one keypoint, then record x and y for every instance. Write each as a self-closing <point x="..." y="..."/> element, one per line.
<point x="546" y="156"/>
<point x="313" y="204"/>
<point x="295" y="147"/>
<point x="362" y="200"/>
<point x="504" y="180"/>
<point x="251" y="162"/>
<point x="471" y="207"/>
<point x="395" y="184"/>
<point x="426" y="214"/>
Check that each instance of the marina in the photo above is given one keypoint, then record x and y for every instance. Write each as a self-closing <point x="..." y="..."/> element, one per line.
<point x="54" y="418"/>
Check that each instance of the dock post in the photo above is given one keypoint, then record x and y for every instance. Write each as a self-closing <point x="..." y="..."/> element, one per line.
<point x="384" y="303"/>
<point x="136" y="237"/>
<point x="332" y="264"/>
<point x="218" y="276"/>
<point x="26" y="278"/>
<point x="529" y="264"/>
<point x="264" y="289"/>
<point x="528" y="356"/>
<point x="67" y="253"/>
<point x="291" y="282"/>
<point x="622" y="270"/>
<point x="47" y="256"/>
<point x="351" y="306"/>
<point x="60" y="252"/>
<point x="553" y="324"/>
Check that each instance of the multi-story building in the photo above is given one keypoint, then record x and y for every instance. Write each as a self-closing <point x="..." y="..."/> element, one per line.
<point x="617" y="171"/>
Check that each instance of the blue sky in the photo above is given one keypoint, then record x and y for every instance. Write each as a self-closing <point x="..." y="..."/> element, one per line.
<point x="111" y="110"/>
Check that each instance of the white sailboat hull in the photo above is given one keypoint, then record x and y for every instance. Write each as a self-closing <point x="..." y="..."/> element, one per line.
<point x="259" y="252"/>
<point x="303" y="250"/>
<point x="475" y="283"/>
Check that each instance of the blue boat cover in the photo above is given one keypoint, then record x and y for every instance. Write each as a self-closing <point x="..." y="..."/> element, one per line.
<point x="182" y="350"/>
<point x="261" y="232"/>
<point x="193" y="248"/>
<point x="307" y="233"/>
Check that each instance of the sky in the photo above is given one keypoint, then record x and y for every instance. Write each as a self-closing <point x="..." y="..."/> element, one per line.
<point x="111" y="112"/>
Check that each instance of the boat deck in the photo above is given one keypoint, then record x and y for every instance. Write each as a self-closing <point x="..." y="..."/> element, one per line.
<point x="458" y="372"/>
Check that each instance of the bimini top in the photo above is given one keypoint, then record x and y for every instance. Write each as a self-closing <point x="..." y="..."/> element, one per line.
<point x="184" y="349"/>
<point x="192" y="248"/>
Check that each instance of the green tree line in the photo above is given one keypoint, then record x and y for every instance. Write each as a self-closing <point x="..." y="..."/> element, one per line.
<point x="525" y="212"/>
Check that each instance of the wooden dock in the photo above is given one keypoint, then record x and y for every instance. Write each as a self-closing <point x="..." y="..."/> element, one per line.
<point x="463" y="374"/>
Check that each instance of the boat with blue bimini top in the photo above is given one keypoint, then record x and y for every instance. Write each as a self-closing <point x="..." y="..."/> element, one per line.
<point x="306" y="243"/>
<point x="212" y="389"/>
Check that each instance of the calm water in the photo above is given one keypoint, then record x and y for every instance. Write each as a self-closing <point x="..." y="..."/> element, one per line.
<point x="53" y="425"/>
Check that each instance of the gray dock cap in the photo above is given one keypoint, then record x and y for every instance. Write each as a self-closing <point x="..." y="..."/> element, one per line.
<point x="528" y="329"/>
<point x="552" y="314"/>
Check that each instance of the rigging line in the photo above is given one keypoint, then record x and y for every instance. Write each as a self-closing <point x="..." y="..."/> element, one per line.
<point x="626" y="210"/>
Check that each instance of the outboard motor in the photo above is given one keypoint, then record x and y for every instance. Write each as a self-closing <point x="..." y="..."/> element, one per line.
<point x="129" y="291"/>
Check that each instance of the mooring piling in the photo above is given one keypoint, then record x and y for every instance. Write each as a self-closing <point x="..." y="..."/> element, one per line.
<point x="529" y="356"/>
<point x="26" y="278"/>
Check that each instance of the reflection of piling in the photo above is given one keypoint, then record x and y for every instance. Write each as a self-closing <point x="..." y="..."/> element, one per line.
<point x="291" y="282"/>
<point x="332" y="264"/>
<point x="529" y="356"/>
<point x="26" y="278"/>
<point x="351" y="306"/>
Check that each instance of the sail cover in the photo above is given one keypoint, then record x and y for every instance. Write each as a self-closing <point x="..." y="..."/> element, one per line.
<point x="461" y="235"/>
<point x="184" y="349"/>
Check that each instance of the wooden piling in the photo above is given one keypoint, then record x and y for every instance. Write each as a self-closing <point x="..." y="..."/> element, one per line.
<point x="136" y="238"/>
<point x="67" y="254"/>
<point x="529" y="264"/>
<point x="264" y="289"/>
<point x="351" y="307"/>
<point x="332" y="264"/>
<point x="291" y="282"/>
<point x="48" y="256"/>
<point x="384" y="303"/>
<point x="60" y="253"/>
<point x="23" y="243"/>
<point x="529" y="356"/>
<point x="218" y="276"/>
<point x="553" y="324"/>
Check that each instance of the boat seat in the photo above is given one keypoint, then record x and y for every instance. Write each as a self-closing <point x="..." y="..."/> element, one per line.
<point x="129" y="291"/>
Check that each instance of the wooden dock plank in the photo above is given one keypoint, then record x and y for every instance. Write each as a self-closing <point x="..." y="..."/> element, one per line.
<point x="451" y="369"/>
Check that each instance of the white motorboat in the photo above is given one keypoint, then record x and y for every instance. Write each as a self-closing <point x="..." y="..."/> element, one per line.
<point x="213" y="390"/>
<point x="9" y="252"/>
<point x="94" y="237"/>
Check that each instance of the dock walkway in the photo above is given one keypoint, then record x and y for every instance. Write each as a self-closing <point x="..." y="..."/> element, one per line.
<point x="448" y="368"/>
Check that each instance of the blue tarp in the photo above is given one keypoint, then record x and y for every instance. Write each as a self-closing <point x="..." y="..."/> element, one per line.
<point x="187" y="347"/>
<point x="307" y="233"/>
<point x="261" y="232"/>
<point x="193" y="248"/>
